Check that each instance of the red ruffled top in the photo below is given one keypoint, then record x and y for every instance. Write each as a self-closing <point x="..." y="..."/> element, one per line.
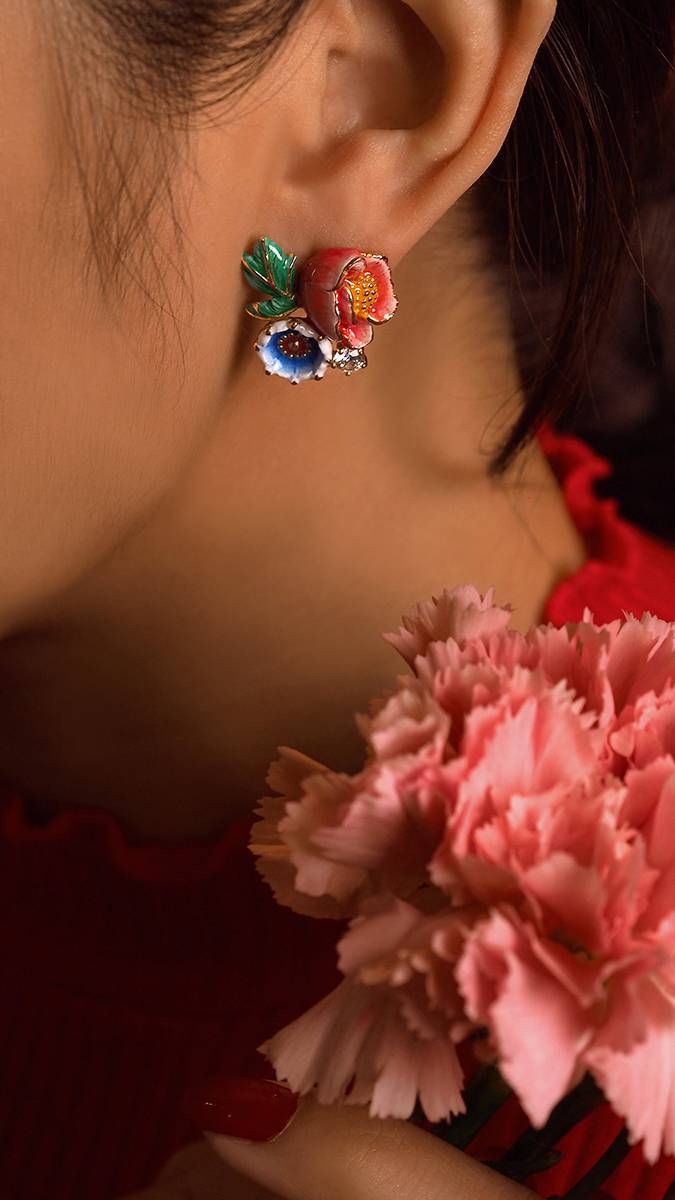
<point x="130" y="972"/>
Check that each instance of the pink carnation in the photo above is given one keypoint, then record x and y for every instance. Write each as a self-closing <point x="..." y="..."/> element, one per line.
<point x="506" y="857"/>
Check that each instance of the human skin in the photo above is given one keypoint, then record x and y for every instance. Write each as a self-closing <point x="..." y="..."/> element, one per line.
<point x="198" y="562"/>
<point x="330" y="1153"/>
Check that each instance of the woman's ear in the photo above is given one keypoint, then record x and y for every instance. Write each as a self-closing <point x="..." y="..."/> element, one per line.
<point x="408" y="104"/>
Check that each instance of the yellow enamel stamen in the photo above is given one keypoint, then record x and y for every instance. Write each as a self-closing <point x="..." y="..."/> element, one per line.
<point x="363" y="293"/>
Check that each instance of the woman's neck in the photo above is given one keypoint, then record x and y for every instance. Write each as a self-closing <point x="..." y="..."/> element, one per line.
<point x="247" y="613"/>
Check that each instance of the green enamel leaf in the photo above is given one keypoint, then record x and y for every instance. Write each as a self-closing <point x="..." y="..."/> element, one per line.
<point x="283" y="269"/>
<point x="256" y="273"/>
<point x="277" y="306"/>
<point x="270" y="271"/>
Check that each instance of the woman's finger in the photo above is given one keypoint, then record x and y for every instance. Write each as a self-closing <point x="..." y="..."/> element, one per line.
<point x="341" y="1153"/>
<point x="197" y="1172"/>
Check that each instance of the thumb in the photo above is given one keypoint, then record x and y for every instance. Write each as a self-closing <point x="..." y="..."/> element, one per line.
<point x="197" y="1172"/>
<point x="337" y="1152"/>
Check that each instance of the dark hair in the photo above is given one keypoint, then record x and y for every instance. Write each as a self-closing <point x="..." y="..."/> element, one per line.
<point x="177" y="56"/>
<point x="560" y="201"/>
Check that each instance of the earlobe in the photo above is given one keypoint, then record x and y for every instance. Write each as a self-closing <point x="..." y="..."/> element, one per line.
<point x="425" y="123"/>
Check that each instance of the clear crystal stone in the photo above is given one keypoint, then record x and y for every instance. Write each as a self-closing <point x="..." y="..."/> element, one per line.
<point x="349" y="360"/>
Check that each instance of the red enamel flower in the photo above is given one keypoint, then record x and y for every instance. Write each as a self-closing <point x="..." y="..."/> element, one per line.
<point x="345" y="292"/>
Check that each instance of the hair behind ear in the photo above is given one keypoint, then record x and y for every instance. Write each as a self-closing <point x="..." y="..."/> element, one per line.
<point x="561" y="198"/>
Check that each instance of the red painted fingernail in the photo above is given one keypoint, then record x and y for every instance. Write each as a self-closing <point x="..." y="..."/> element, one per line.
<point x="254" y="1109"/>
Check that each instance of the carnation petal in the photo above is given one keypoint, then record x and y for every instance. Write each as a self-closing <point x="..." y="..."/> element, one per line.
<point x="408" y="1069"/>
<point x="626" y="1008"/>
<point x="392" y="825"/>
<point x="355" y="1040"/>
<point x="573" y="896"/>
<point x="440" y="1081"/>
<point x="641" y="659"/>
<point x="287" y="772"/>
<point x="542" y="746"/>
<point x="661" y="907"/>
<point x="316" y="874"/>
<point x="470" y="876"/>
<point x="649" y="807"/>
<point x="538" y="1028"/>
<point x="379" y="935"/>
<point x="280" y="876"/>
<point x="462" y="614"/>
<point x="581" y="978"/>
<point x="409" y="720"/>
<point x="300" y="875"/>
<point x="396" y="1062"/>
<point x="321" y="1047"/>
<point x="640" y="1085"/>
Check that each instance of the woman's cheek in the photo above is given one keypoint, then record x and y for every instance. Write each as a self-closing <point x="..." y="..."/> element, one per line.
<point x="105" y="396"/>
<point x="98" y="418"/>
<point x="112" y="380"/>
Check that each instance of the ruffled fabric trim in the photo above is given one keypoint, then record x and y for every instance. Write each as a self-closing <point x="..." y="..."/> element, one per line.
<point x="626" y="569"/>
<point x="96" y="829"/>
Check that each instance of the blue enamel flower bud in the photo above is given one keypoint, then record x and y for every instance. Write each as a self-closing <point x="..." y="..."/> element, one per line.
<point x="294" y="350"/>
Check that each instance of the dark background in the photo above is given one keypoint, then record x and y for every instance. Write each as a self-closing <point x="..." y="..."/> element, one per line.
<point x="630" y="414"/>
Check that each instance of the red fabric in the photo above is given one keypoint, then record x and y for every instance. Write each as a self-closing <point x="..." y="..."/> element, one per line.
<point x="131" y="971"/>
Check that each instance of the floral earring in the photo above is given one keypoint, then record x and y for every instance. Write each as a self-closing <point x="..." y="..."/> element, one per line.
<point x="344" y="293"/>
